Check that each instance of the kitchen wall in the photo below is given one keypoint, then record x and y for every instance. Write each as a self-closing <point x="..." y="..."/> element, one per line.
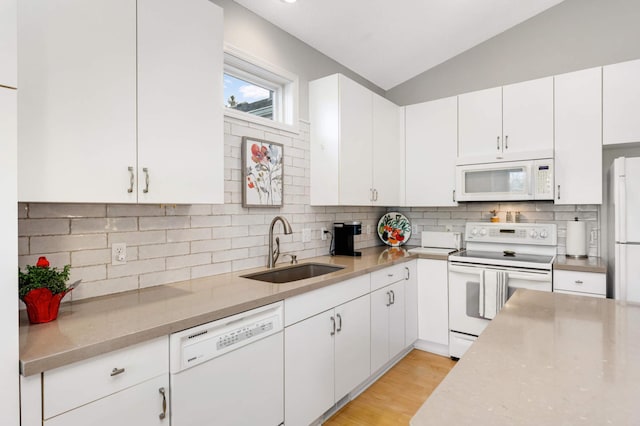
<point x="574" y="35"/>
<point x="251" y="33"/>
<point x="174" y="243"/>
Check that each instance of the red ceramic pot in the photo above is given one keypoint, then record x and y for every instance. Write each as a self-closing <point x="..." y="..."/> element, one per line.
<point x="42" y="305"/>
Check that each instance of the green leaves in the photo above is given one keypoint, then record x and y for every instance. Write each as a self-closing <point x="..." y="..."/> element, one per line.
<point x="37" y="277"/>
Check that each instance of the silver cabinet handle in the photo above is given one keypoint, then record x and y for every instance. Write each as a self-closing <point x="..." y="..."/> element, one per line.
<point x="393" y="297"/>
<point x="146" y="179"/>
<point x="579" y="282"/>
<point x="453" y="195"/>
<point x="117" y="371"/>
<point x="558" y="192"/>
<point x="164" y="404"/>
<point x="390" y="275"/>
<point x="506" y="141"/>
<point x="376" y="192"/>
<point x="370" y="194"/>
<point x="333" y="324"/>
<point x="339" y="329"/>
<point x="132" y="177"/>
<point x="388" y="299"/>
<point x="408" y="273"/>
<point x="498" y="143"/>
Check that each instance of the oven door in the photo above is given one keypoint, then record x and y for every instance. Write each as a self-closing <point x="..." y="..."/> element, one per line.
<point x="467" y="298"/>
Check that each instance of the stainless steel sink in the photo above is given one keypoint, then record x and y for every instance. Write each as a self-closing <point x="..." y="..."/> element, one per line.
<point x="294" y="273"/>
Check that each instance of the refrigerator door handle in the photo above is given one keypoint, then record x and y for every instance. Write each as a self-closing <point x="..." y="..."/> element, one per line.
<point x="621" y="210"/>
<point x="620" y="285"/>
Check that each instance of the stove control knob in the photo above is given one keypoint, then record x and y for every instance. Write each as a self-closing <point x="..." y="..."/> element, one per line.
<point x="474" y="231"/>
<point x="533" y="233"/>
<point x="544" y="234"/>
<point x="483" y="232"/>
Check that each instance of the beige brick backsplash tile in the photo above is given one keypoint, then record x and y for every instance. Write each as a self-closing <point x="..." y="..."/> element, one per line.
<point x="138" y="238"/>
<point x="232" y="186"/>
<point x="164" y="277"/>
<point x="521" y="207"/>
<point x="531" y="216"/>
<point x="231" y="232"/>
<point x="296" y="169"/>
<point x="163" y="250"/>
<point x="236" y="175"/>
<point x="248" y="219"/>
<point x="227" y="255"/>
<point x="252" y="262"/>
<point x="211" y="269"/>
<point x="91" y="257"/>
<point x="227" y="127"/>
<point x="98" y="225"/>
<point x="30" y="227"/>
<point x="23" y="246"/>
<point x="579" y="215"/>
<point x="219" y="209"/>
<point x="255" y="251"/>
<point x="141" y="210"/>
<point x="242" y="130"/>
<point x="175" y="262"/>
<point x="296" y="152"/>
<point x="135" y="268"/>
<point x="287" y="141"/>
<point x="228" y="173"/>
<point x="437" y="215"/>
<point x="542" y="206"/>
<point x="101" y="288"/>
<point x="166" y="222"/>
<point x="179" y="235"/>
<point x="88" y="273"/>
<point x="52" y="244"/>
<point x="232" y="140"/>
<point x="235" y="197"/>
<point x="258" y="230"/>
<point x="210" y="245"/>
<point x="189" y="210"/>
<point x="210" y="221"/>
<point x="56" y="210"/>
<point x="587" y="207"/>
<point x="300" y="180"/>
<point x="469" y="215"/>
<point x="57" y="260"/>
<point x="243" y="242"/>
<point x="23" y="209"/>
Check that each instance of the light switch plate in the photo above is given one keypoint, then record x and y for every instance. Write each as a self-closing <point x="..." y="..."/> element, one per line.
<point x="119" y="253"/>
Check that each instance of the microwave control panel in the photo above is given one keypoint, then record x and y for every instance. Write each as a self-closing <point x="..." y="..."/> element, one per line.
<point x="543" y="180"/>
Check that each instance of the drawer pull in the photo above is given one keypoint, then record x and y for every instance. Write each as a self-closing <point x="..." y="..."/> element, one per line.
<point x="393" y="297"/>
<point x="579" y="282"/>
<point x="390" y="275"/>
<point x="164" y="404"/>
<point x="117" y="371"/>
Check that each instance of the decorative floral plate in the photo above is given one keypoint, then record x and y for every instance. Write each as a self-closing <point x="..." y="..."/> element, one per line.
<point x="394" y="229"/>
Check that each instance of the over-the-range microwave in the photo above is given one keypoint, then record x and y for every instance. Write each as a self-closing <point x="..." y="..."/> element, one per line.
<point x="514" y="180"/>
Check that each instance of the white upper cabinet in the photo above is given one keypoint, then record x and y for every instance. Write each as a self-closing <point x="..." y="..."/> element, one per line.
<point x="8" y="43"/>
<point x="431" y="136"/>
<point x="578" y="133"/>
<point x="180" y="121"/>
<point x="621" y="103"/>
<point x="109" y="89"/>
<point x="355" y="144"/>
<point x="509" y="123"/>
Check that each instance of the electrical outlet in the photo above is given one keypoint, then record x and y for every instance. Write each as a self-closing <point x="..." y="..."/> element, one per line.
<point x="368" y="229"/>
<point x="323" y="233"/>
<point x="119" y="253"/>
<point x="306" y="235"/>
<point x="414" y="229"/>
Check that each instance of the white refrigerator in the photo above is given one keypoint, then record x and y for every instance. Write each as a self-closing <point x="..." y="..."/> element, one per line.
<point x="624" y="229"/>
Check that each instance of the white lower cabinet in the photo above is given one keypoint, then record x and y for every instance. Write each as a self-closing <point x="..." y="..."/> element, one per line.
<point x="387" y="324"/>
<point x="411" y="303"/>
<point x="580" y="283"/>
<point x="128" y="386"/>
<point x="433" y="306"/>
<point x="326" y="356"/>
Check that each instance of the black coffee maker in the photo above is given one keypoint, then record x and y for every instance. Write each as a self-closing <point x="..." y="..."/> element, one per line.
<point x="343" y="233"/>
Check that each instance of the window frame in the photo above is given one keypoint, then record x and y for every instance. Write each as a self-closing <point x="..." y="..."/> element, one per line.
<point x="284" y="84"/>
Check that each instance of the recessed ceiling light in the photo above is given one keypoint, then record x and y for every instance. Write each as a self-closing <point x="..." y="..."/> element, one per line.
<point x="289" y="1"/>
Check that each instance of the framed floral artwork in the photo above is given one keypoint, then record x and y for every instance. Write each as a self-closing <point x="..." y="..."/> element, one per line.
<point x="262" y="173"/>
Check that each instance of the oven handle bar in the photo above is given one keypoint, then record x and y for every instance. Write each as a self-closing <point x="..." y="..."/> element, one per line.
<point x="469" y="268"/>
<point x="531" y="276"/>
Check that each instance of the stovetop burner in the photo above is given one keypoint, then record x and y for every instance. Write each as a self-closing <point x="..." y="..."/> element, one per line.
<point x="501" y="259"/>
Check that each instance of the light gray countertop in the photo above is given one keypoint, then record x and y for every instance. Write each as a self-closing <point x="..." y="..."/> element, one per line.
<point x="91" y="327"/>
<point x="589" y="264"/>
<point x="546" y="359"/>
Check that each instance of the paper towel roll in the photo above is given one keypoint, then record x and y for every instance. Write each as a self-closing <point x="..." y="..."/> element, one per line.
<point x="577" y="239"/>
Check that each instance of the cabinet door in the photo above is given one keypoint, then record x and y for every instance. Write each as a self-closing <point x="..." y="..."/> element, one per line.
<point x="621" y="103"/>
<point x="411" y="303"/>
<point x="578" y="129"/>
<point x="480" y="126"/>
<point x="355" y="143"/>
<point x="433" y="302"/>
<point x="77" y="100"/>
<point x="308" y="369"/>
<point x="141" y="405"/>
<point x="8" y="42"/>
<point x="527" y="119"/>
<point x="380" y="303"/>
<point x="180" y="128"/>
<point x="387" y="160"/>
<point x="430" y="128"/>
<point x="352" y="345"/>
<point x="396" y="319"/>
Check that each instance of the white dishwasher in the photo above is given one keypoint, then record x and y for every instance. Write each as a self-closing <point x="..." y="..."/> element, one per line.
<point x="229" y="372"/>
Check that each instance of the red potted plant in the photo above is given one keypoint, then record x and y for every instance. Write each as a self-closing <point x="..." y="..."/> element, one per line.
<point x="42" y="288"/>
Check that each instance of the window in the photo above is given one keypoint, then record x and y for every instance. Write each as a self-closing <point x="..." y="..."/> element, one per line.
<point x="259" y="92"/>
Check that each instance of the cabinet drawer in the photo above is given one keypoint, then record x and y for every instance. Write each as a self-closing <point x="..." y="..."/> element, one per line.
<point x="79" y="383"/>
<point x="309" y="304"/>
<point x="387" y="276"/>
<point x="581" y="282"/>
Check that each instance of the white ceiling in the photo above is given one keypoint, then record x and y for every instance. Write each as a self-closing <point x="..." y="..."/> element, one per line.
<point x="389" y="42"/>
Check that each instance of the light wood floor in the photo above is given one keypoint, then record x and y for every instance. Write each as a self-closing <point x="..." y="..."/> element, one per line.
<point x="397" y="395"/>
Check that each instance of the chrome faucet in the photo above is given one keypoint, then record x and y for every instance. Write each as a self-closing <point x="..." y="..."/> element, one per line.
<point x="274" y="254"/>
